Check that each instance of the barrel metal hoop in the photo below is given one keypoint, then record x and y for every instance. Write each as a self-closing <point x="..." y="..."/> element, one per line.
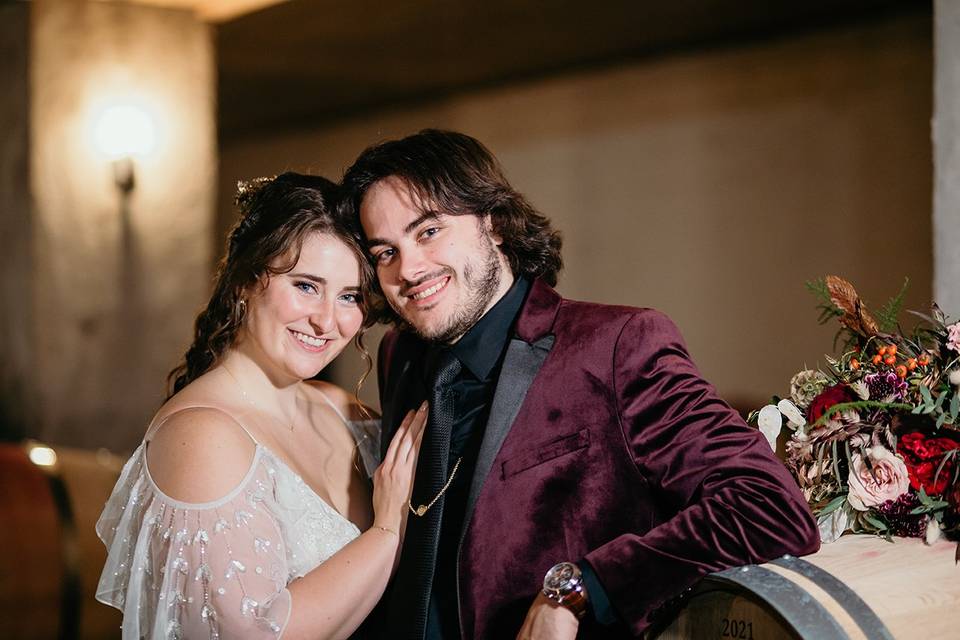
<point x="807" y="616"/>
<point x="846" y="597"/>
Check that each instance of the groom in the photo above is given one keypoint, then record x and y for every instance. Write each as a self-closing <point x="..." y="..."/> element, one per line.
<point x="577" y="474"/>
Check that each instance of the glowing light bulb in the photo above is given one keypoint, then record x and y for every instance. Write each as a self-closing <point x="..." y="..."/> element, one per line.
<point x="42" y="456"/>
<point x="123" y="131"/>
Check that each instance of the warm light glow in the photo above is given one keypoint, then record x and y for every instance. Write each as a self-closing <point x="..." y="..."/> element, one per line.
<point x="42" y="456"/>
<point x="123" y="131"/>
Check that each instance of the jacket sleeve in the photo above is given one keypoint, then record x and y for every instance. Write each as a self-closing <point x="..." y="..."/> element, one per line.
<point x="725" y="499"/>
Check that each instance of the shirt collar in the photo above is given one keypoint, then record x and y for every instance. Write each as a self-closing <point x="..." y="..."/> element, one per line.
<point x="481" y="347"/>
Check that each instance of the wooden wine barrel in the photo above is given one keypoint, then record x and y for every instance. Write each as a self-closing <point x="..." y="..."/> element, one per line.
<point x="859" y="587"/>
<point x="50" y="556"/>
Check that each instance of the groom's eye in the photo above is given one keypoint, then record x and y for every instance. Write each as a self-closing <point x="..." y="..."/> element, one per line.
<point x="383" y="256"/>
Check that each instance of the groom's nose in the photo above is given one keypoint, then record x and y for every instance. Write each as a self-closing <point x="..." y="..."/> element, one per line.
<point x="412" y="264"/>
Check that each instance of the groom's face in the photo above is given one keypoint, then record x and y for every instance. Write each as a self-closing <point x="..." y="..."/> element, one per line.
<point x="439" y="272"/>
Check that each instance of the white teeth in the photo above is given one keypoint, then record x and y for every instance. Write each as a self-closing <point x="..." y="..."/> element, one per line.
<point x="429" y="292"/>
<point x="304" y="338"/>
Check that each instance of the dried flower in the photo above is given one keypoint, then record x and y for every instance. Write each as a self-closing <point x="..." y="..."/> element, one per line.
<point x="860" y="388"/>
<point x="885" y="479"/>
<point x="806" y="385"/>
<point x="933" y="531"/>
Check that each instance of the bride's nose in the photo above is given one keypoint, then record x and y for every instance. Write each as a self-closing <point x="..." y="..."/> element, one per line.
<point x="323" y="316"/>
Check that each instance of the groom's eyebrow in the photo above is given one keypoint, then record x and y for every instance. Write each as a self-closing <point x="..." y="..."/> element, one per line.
<point x="410" y="228"/>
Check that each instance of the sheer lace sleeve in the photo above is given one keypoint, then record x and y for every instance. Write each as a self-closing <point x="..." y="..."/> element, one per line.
<point x="367" y="435"/>
<point x="182" y="570"/>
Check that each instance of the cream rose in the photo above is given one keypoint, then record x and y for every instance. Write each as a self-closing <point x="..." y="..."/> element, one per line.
<point x="887" y="481"/>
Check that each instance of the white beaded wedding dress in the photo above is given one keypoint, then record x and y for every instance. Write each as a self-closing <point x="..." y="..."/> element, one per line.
<point x="218" y="569"/>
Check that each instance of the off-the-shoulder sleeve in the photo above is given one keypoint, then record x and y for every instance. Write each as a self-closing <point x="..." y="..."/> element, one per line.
<point x="181" y="570"/>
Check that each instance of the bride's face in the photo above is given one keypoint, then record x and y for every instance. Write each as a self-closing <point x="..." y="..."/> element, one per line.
<point x="304" y="318"/>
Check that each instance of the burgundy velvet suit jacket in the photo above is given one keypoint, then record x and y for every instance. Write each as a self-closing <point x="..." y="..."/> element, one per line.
<point x="605" y="444"/>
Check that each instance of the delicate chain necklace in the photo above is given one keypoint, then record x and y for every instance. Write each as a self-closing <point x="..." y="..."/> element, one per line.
<point x="422" y="509"/>
<point x="250" y="400"/>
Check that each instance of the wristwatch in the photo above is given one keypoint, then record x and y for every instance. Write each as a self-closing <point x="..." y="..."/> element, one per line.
<point x="564" y="585"/>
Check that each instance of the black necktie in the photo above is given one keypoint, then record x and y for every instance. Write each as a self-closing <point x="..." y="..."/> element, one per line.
<point x="418" y="560"/>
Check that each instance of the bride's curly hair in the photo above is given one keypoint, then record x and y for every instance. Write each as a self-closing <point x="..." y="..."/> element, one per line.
<point x="276" y="215"/>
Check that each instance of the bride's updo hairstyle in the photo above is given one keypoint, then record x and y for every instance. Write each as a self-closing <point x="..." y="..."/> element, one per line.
<point x="276" y="214"/>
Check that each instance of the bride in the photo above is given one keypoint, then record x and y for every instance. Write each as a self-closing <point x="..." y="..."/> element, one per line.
<point x="240" y="514"/>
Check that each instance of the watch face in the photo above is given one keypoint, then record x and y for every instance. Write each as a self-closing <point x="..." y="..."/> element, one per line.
<point x="560" y="577"/>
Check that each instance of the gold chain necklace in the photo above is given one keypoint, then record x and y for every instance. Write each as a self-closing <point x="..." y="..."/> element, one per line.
<point x="422" y="509"/>
<point x="250" y="400"/>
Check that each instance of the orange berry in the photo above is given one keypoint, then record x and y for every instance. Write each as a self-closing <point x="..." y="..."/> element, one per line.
<point x="892" y="349"/>
<point x="854" y="364"/>
<point x="911" y="363"/>
<point x="882" y="350"/>
<point x="877" y="359"/>
<point x="902" y="371"/>
<point x="923" y="360"/>
<point x="890" y="359"/>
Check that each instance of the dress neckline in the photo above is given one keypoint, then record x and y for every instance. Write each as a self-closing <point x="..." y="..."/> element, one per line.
<point x="259" y="448"/>
<point x="259" y="451"/>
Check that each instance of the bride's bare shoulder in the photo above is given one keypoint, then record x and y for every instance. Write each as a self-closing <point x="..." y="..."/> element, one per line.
<point x="199" y="452"/>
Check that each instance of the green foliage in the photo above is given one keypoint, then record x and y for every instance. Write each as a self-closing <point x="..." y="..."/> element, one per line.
<point x="928" y="504"/>
<point x="886" y="315"/>
<point x="828" y="310"/>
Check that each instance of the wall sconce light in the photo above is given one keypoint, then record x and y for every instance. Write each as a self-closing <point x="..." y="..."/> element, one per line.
<point x="123" y="132"/>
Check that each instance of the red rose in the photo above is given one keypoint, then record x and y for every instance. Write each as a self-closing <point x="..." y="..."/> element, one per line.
<point x="923" y="456"/>
<point x="828" y="397"/>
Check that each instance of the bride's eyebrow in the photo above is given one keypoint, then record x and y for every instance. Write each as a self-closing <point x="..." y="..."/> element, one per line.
<point x="308" y="276"/>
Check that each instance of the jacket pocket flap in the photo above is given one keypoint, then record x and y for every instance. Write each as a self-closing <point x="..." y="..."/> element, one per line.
<point x="546" y="452"/>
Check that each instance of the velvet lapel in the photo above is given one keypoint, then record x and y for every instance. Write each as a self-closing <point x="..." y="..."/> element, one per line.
<point x="524" y="357"/>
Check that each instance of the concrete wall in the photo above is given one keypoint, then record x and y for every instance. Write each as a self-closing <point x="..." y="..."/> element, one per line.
<point x="710" y="184"/>
<point x="946" y="210"/>
<point x="115" y="281"/>
<point x="16" y="342"/>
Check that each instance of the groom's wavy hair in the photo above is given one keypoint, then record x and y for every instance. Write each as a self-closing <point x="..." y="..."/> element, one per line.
<point x="276" y="215"/>
<point x="457" y="175"/>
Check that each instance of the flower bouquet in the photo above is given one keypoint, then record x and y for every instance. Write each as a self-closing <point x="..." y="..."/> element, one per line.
<point x="875" y="442"/>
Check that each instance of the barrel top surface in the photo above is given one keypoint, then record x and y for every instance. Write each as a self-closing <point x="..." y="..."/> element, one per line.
<point x="914" y="588"/>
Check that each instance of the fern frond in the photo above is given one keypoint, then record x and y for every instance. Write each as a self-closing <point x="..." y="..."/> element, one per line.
<point x="827" y="309"/>
<point x="887" y="314"/>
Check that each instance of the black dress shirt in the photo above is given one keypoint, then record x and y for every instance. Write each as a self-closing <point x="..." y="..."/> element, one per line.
<point x="481" y="352"/>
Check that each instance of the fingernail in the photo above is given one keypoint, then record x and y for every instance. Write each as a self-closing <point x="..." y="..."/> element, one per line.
<point x="423" y="406"/>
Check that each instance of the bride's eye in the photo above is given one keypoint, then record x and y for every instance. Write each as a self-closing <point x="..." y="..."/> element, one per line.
<point x="306" y="287"/>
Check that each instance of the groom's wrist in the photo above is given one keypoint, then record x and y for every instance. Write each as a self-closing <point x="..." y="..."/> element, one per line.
<point x="564" y="585"/>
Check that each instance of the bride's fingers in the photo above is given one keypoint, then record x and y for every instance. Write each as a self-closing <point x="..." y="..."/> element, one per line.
<point x="417" y="429"/>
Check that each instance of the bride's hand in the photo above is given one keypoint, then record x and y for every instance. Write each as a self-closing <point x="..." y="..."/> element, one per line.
<point x="393" y="479"/>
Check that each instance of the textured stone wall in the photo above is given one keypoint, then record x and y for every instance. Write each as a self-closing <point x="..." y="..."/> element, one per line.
<point x="710" y="184"/>
<point x="946" y="140"/>
<point x="115" y="281"/>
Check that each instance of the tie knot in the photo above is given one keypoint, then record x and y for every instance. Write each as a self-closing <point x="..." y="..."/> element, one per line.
<point x="445" y="368"/>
